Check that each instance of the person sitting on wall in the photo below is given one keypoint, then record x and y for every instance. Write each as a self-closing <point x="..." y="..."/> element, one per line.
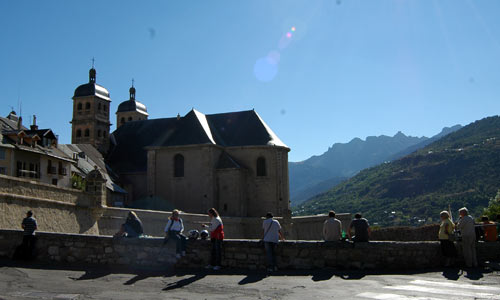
<point x="489" y="229"/>
<point x="27" y="249"/>
<point x="361" y="229"/>
<point x="272" y="235"/>
<point x="173" y="230"/>
<point x="216" y="229"/>
<point x="446" y="228"/>
<point x="332" y="228"/>
<point x="132" y="227"/>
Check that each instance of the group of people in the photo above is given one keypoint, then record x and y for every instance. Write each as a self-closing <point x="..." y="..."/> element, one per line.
<point x="272" y="234"/>
<point x="468" y="231"/>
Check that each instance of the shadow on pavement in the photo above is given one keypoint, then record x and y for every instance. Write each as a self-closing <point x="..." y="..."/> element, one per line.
<point x="184" y="282"/>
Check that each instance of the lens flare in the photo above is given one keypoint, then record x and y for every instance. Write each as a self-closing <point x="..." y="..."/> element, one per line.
<point x="293" y="28"/>
<point x="288" y="34"/>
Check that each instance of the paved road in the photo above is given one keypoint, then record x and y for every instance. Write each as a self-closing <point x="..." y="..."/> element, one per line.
<point x="22" y="281"/>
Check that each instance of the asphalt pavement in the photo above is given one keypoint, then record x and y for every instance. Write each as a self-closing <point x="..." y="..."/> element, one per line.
<point x="28" y="280"/>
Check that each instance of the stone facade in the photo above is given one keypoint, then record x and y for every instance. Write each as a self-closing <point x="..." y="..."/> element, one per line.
<point x="232" y="191"/>
<point x="240" y="254"/>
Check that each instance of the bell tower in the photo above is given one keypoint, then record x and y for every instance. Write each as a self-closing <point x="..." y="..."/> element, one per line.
<point x="130" y="110"/>
<point x="90" y="123"/>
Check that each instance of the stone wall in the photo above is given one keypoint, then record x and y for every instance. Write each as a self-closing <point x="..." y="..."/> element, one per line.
<point x="311" y="227"/>
<point x="56" y="209"/>
<point x="423" y="233"/>
<point x="244" y="254"/>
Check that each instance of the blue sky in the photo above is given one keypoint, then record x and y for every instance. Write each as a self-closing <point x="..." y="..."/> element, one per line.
<point x="350" y="68"/>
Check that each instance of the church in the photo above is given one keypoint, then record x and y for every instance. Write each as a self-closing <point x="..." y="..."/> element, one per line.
<point x="231" y="161"/>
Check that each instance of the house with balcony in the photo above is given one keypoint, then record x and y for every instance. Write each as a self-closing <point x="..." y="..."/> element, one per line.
<point x="32" y="153"/>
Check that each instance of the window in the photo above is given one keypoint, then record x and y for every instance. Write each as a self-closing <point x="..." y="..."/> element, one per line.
<point x="87" y="132"/>
<point x="78" y="133"/>
<point x="104" y="107"/>
<point x="178" y="165"/>
<point x="2" y="153"/>
<point x="54" y="181"/>
<point x="3" y="171"/>
<point x="79" y="106"/>
<point x="87" y="105"/>
<point x="99" y="133"/>
<point x="122" y="121"/>
<point x="261" y="166"/>
<point x="104" y="133"/>
<point x="130" y="119"/>
<point x="99" y="106"/>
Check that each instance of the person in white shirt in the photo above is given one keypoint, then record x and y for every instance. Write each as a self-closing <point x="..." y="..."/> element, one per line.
<point x="467" y="230"/>
<point x="173" y="230"/>
<point x="272" y="235"/>
<point x="216" y="229"/>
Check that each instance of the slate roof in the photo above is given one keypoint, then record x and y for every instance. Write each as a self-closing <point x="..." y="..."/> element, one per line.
<point x="88" y="158"/>
<point x="92" y="89"/>
<point x="244" y="128"/>
<point x="132" y="105"/>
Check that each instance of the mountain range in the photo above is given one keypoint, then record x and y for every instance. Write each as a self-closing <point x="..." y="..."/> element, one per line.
<point x="343" y="160"/>
<point x="459" y="169"/>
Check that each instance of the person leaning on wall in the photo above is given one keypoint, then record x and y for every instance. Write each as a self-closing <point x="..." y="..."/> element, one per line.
<point x="446" y="228"/>
<point x="132" y="227"/>
<point x="216" y="229"/>
<point x="27" y="249"/>
<point x="271" y="236"/>
<point x="466" y="227"/>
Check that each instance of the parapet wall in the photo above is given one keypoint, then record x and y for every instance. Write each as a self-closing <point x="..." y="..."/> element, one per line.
<point x="246" y="254"/>
<point x="56" y="209"/>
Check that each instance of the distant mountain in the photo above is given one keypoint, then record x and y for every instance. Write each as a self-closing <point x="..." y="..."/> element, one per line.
<point x="319" y="173"/>
<point x="460" y="169"/>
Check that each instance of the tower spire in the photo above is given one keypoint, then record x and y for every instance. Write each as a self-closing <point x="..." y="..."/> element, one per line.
<point x="92" y="72"/>
<point x="132" y="91"/>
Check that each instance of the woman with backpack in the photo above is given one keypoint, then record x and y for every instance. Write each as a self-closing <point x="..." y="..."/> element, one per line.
<point x="173" y="230"/>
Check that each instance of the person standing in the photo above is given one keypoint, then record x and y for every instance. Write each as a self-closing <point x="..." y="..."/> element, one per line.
<point x="332" y="228"/>
<point x="466" y="227"/>
<point x="174" y="229"/>
<point x="448" y="249"/>
<point x="216" y="229"/>
<point x="29" y="226"/>
<point x="361" y="229"/>
<point x="272" y="235"/>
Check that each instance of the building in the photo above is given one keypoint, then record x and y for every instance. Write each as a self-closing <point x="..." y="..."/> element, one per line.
<point x="32" y="153"/>
<point x="90" y="123"/>
<point x="231" y="161"/>
<point x="87" y="159"/>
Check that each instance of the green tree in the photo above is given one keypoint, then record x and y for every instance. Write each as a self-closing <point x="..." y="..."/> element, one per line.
<point x="493" y="209"/>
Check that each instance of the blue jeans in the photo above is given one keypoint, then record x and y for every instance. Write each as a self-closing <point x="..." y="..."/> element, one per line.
<point x="271" y="257"/>
<point x="216" y="252"/>
<point x="180" y="240"/>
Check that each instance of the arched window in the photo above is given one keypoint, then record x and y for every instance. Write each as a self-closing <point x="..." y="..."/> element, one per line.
<point x="122" y="121"/>
<point x="129" y="119"/>
<point x="178" y="165"/>
<point x="87" y="132"/>
<point x="99" y="106"/>
<point x="78" y="133"/>
<point x="261" y="166"/>
<point x="79" y="106"/>
<point x="99" y="133"/>
<point x="87" y="105"/>
<point x="104" y="107"/>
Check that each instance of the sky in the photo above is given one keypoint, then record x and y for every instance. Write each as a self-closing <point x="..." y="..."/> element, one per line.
<point x="317" y="71"/>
